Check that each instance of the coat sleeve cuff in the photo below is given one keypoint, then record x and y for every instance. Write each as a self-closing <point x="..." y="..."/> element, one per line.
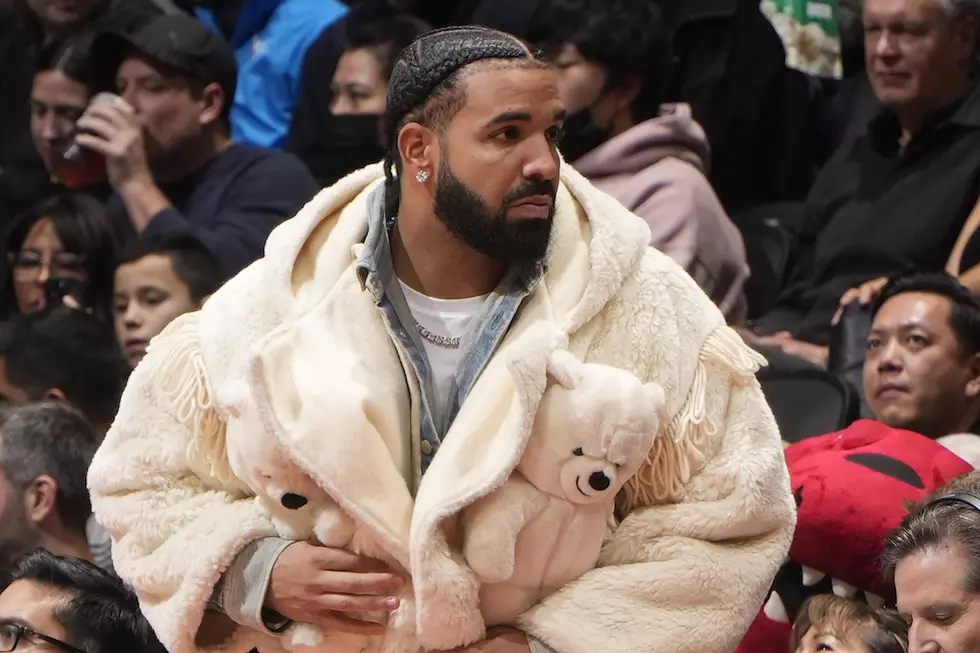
<point x="240" y="594"/>
<point x="537" y="646"/>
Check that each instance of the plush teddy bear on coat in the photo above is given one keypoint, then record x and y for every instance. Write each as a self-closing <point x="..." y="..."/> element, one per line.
<point x="593" y="429"/>
<point x="301" y="510"/>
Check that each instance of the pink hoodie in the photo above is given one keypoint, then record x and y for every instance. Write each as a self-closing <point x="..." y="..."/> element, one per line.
<point x="657" y="170"/>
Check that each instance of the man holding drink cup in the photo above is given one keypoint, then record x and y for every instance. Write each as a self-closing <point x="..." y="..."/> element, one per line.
<point x="168" y="152"/>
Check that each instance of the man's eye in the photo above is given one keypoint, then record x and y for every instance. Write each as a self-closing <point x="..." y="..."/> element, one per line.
<point x="917" y="340"/>
<point x="507" y="134"/>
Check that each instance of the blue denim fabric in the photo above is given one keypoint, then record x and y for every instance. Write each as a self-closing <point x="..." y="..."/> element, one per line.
<point x="375" y="270"/>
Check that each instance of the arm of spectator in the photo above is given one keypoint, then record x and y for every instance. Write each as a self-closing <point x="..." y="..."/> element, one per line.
<point x="863" y="294"/>
<point x="688" y="223"/>
<point x="688" y="574"/>
<point x="144" y="201"/>
<point x="971" y="279"/>
<point x="955" y="262"/>
<point x="271" y="191"/>
<point x="162" y="486"/>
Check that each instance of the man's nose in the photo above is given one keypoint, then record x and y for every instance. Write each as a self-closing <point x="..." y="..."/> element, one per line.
<point x="920" y="639"/>
<point x="890" y="357"/>
<point x="543" y="163"/>
<point x="886" y="46"/>
<point x="129" y="95"/>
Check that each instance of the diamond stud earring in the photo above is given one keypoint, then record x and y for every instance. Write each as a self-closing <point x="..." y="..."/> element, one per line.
<point x="422" y="176"/>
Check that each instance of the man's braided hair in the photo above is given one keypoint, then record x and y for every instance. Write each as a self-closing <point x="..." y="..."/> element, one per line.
<point x="424" y="84"/>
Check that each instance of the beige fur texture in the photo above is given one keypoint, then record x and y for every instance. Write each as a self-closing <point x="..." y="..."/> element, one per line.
<point x="592" y="430"/>
<point x="707" y="519"/>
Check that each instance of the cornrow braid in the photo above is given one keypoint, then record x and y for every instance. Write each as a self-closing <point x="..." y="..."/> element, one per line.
<point x="423" y="82"/>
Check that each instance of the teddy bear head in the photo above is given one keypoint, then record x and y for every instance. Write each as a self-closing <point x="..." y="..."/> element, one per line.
<point x="593" y="429"/>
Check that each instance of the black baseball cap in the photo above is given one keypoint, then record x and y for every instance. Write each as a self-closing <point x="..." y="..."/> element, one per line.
<point x="178" y="41"/>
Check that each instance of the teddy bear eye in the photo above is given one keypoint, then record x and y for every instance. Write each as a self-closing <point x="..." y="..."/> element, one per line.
<point x="578" y="451"/>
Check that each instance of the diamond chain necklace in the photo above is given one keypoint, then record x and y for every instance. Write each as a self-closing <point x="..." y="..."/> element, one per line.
<point x="436" y="339"/>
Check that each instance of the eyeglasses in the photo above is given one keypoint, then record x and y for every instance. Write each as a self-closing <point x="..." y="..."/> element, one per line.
<point x="11" y="634"/>
<point x="27" y="265"/>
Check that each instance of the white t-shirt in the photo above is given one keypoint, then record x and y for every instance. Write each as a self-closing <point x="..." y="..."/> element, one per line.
<point x="444" y="317"/>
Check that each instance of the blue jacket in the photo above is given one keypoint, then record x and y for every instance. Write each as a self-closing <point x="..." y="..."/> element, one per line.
<point x="270" y="43"/>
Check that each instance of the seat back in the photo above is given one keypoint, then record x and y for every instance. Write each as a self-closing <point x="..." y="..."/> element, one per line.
<point x="807" y="403"/>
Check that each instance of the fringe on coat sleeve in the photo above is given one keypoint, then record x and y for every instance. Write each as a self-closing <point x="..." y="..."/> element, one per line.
<point x="160" y="486"/>
<point x="680" y="451"/>
<point x="711" y="519"/>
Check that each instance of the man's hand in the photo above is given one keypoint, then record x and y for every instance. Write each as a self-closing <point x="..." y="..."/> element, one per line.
<point x="317" y="585"/>
<point x="112" y="129"/>
<point x="790" y="345"/>
<point x="499" y="640"/>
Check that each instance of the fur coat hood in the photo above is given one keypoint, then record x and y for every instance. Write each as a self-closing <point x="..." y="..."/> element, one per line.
<point x="297" y="332"/>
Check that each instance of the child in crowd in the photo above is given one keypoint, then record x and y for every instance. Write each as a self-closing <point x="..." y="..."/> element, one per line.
<point x="158" y="280"/>
<point x="831" y="623"/>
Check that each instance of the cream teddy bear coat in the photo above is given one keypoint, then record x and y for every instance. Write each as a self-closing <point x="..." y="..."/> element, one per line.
<point x="706" y="522"/>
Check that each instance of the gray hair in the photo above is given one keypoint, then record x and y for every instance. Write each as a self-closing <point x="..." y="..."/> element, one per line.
<point x="929" y="526"/>
<point x="50" y="439"/>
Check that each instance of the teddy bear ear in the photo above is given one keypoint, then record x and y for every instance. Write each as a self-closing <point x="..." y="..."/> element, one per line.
<point x="655" y="392"/>
<point x="565" y="368"/>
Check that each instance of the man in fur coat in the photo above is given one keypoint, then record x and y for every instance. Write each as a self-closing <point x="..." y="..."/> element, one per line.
<point x="389" y="350"/>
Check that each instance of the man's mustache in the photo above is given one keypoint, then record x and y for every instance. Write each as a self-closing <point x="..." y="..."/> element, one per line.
<point x="530" y="189"/>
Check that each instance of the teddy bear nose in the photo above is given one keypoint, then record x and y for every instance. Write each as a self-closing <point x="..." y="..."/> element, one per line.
<point x="599" y="481"/>
<point x="293" y="501"/>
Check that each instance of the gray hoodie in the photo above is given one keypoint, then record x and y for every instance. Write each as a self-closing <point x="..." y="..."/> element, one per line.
<point x="657" y="170"/>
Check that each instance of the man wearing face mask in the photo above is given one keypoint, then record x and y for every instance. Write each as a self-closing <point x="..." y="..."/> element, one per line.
<point x="612" y="58"/>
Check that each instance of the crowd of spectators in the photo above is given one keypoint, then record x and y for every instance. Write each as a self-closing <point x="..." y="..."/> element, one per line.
<point x="148" y="148"/>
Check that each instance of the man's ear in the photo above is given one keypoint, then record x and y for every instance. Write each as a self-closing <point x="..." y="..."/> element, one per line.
<point x="55" y="394"/>
<point x="418" y="148"/>
<point x="41" y="499"/>
<point x="972" y="389"/>
<point x="214" y="100"/>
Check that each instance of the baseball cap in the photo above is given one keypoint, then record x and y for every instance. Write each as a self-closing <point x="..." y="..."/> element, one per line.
<point x="177" y="41"/>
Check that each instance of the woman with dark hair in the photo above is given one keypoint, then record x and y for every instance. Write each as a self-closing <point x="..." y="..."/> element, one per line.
<point x="63" y="86"/>
<point x="64" y="250"/>
<point x="350" y="136"/>
<point x="371" y="46"/>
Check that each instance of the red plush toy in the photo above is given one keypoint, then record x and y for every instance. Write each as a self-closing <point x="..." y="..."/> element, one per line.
<point x="851" y="489"/>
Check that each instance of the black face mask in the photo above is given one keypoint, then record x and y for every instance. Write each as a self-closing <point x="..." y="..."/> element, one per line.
<point x="581" y="135"/>
<point x="352" y="143"/>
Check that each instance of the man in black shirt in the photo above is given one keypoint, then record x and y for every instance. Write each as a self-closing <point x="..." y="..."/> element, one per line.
<point x="169" y="156"/>
<point x="897" y="192"/>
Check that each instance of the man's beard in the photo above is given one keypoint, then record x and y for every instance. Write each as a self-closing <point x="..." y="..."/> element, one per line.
<point x="17" y="538"/>
<point x="489" y="231"/>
